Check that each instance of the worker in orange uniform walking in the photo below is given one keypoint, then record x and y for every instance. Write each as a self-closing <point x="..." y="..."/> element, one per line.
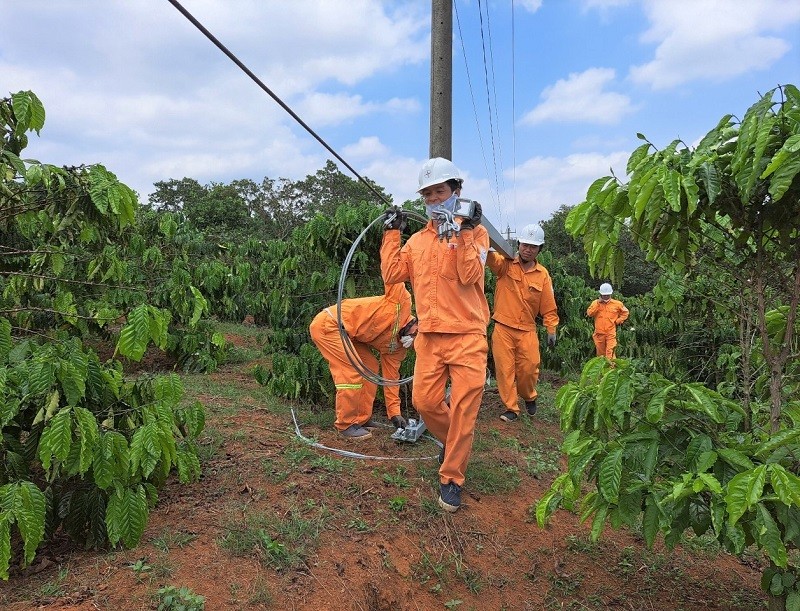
<point x="607" y="314"/>
<point x="524" y="291"/>
<point x="445" y="263"/>
<point x="383" y="323"/>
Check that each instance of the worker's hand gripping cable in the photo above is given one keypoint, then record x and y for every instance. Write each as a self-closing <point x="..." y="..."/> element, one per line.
<point x="395" y="219"/>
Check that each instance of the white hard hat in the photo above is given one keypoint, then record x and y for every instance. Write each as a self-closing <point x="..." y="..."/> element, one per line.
<point x="532" y="234"/>
<point x="437" y="170"/>
<point x="606" y="289"/>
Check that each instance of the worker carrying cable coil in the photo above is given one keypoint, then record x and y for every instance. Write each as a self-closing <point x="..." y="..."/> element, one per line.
<point x="445" y="262"/>
<point x="383" y="323"/>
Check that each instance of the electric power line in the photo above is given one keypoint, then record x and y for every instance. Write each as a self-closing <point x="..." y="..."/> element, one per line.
<point x="269" y="92"/>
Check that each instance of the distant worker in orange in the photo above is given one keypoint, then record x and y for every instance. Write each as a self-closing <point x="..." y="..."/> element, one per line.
<point x="383" y="323"/>
<point x="445" y="262"/>
<point x="607" y="314"/>
<point x="524" y="291"/>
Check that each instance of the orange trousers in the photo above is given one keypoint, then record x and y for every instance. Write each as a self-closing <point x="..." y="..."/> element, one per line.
<point x="354" y="394"/>
<point x="516" y="364"/>
<point x="605" y="344"/>
<point x="462" y="359"/>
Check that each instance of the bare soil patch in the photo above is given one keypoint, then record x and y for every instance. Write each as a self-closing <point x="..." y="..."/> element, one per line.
<point x="375" y="539"/>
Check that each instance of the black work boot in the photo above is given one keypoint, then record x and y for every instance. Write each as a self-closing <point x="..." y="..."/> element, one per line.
<point x="450" y="497"/>
<point x="531" y="407"/>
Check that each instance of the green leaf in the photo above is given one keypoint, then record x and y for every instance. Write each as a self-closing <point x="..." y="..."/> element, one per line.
<point x="650" y="521"/>
<point x="655" y="407"/>
<point x="56" y="438"/>
<point x="784" y="176"/>
<point x="697" y="446"/>
<point x="648" y="184"/>
<point x="611" y="475"/>
<point x="769" y="537"/>
<point x="5" y="339"/>
<point x="779" y="439"/>
<point x="200" y="306"/>
<point x="735" y="458"/>
<point x="29" y="512"/>
<point x="704" y="400"/>
<point x="88" y="436"/>
<point x="709" y="176"/>
<point x="5" y="544"/>
<point x="744" y="491"/>
<point x="135" y="335"/>
<point x="28" y="111"/>
<point x="785" y="484"/>
<point x="188" y="464"/>
<point x="145" y="449"/>
<point x="126" y="515"/>
<point x="711" y="482"/>
<point x="670" y="181"/>
<point x="111" y="461"/>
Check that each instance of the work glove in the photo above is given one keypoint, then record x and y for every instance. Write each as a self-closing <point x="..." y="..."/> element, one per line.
<point x="399" y="422"/>
<point x="395" y="218"/>
<point x="407" y="341"/>
<point x="474" y="220"/>
<point x="551" y="340"/>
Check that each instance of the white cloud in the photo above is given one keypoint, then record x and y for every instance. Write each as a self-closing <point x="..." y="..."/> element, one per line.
<point x="531" y="5"/>
<point x="334" y="109"/>
<point x="544" y="184"/>
<point x="369" y="146"/>
<point x="713" y="39"/>
<point x="581" y="98"/>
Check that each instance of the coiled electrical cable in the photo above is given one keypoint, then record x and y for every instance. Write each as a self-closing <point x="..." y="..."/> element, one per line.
<point x="349" y="349"/>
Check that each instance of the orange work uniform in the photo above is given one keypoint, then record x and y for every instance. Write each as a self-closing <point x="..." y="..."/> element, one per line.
<point x="607" y="315"/>
<point x="370" y="323"/>
<point x="447" y="278"/>
<point x="520" y="296"/>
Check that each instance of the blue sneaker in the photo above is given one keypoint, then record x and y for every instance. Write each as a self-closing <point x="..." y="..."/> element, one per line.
<point x="450" y="497"/>
<point x="509" y="416"/>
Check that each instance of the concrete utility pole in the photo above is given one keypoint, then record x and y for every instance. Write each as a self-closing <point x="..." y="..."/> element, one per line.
<point x="441" y="139"/>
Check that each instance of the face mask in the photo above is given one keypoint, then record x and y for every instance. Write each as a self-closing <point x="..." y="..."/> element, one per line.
<point x="436" y="210"/>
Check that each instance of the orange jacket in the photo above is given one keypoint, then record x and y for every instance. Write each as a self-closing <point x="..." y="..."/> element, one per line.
<point x="522" y="295"/>
<point x="375" y="321"/>
<point x="446" y="277"/>
<point x="607" y="315"/>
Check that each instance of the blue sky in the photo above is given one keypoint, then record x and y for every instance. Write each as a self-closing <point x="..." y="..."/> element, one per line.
<point x="135" y="86"/>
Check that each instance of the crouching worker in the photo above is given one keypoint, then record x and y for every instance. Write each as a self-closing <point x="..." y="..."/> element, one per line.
<point x="383" y="323"/>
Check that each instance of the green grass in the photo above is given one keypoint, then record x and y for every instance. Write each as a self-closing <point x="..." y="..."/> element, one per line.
<point x="55" y="587"/>
<point x="492" y="477"/>
<point x="169" y="539"/>
<point x="284" y="541"/>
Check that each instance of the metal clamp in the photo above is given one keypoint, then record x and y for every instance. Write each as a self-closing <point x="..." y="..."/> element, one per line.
<point x="413" y="431"/>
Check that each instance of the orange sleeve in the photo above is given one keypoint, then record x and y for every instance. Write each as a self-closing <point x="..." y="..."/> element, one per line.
<point x="622" y="316"/>
<point x="547" y="306"/>
<point x="497" y="263"/>
<point x="472" y="257"/>
<point x="592" y="308"/>
<point x="395" y="266"/>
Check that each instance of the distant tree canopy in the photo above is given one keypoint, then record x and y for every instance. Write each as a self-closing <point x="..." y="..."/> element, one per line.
<point x="271" y="209"/>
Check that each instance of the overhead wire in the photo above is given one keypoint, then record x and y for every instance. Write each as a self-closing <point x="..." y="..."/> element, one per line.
<point x="513" y="116"/>
<point x="496" y="125"/>
<point x="277" y="99"/>
<point x="472" y="99"/>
